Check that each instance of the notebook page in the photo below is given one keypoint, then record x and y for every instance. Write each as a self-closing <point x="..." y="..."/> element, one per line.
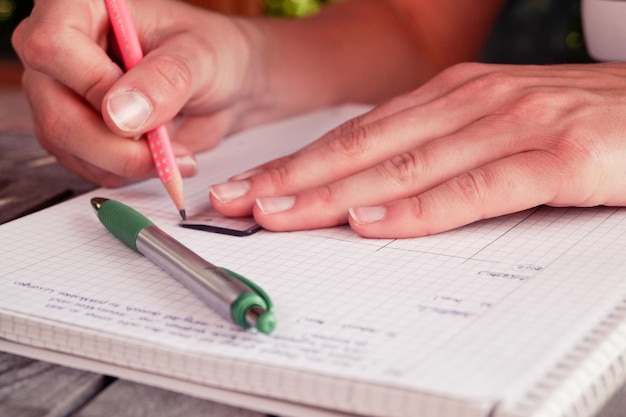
<point x="477" y="313"/>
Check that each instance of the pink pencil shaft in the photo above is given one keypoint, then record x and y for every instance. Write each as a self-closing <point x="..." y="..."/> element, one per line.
<point x="163" y="156"/>
<point x="158" y="139"/>
<point x="125" y="33"/>
<point x="130" y="49"/>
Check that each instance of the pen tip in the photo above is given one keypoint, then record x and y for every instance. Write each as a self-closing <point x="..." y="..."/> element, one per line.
<point x="97" y="202"/>
<point x="183" y="214"/>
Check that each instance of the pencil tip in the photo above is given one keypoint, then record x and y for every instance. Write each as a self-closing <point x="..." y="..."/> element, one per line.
<point x="183" y="214"/>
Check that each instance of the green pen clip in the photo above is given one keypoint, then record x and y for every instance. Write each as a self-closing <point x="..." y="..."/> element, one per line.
<point x="245" y="304"/>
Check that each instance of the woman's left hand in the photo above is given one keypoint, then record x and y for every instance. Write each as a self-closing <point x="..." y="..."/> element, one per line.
<point x="477" y="141"/>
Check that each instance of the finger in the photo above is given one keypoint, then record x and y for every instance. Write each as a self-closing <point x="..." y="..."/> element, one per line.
<point x="69" y="47"/>
<point x="444" y="84"/>
<point x="444" y="97"/>
<point x="180" y="71"/>
<point x="404" y="175"/>
<point x="441" y="85"/>
<point x="156" y="89"/>
<point x="355" y="151"/>
<point x="509" y="185"/>
<point x="201" y="132"/>
<point x="496" y="102"/>
<point x="87" y="146"/>
<point x="464" y="85"/>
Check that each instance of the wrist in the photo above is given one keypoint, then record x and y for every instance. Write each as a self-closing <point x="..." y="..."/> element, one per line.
<point x="354" y="51"/>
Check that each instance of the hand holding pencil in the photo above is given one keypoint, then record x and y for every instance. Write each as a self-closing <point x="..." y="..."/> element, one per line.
<point x="158" y="139"/>
<point x="197" y="69"/>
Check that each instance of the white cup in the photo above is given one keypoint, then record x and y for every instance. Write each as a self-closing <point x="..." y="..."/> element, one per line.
<point x="604" y="28"/>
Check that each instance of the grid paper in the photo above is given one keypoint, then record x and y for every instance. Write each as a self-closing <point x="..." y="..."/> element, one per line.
<point x="464" y="319"/>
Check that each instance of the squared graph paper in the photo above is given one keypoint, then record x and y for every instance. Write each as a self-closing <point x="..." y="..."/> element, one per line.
<point x="478" y="314"/>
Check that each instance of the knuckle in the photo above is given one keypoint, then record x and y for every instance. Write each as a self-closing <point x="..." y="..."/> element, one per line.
<point x="280" y="178"/>
<point x="346" y="127"/>
<point x="326" y="195"/>
<point x="17" y="37"/>
<point x="469" y="187"/>
<point x="39" y="46"/>
<point x="403" y="168"/>
<point x="461" y="70"/>
<point x="416" y="207"/>
<point x="175" y="72"/>
<point x="492" y="83"/>
<point x="422" y="214"/>
<point x="537" y="104"/>
<point x="473" y="81"/>
<point x="354" y="143"/>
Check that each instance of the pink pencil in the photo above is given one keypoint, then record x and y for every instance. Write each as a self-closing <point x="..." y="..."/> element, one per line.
<point x="158" y="139"/>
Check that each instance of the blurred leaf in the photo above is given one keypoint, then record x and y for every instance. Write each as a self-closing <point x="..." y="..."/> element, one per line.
<point x="293" y="8"/>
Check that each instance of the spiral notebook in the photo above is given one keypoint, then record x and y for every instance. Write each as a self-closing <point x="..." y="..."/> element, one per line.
<point x="521" y="315"/>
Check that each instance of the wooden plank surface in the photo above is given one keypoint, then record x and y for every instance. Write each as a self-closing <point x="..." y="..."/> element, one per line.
<point x="128" y="399"/>
<point x="30" y="388"/>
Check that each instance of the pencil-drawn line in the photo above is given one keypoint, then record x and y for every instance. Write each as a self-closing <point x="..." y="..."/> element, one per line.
<point x="445" y="255"/>
<point x="514" y="226"/>
<point x="363" y="242"/>
<point x="386" y="246"/>
<point x="577" y="242"/>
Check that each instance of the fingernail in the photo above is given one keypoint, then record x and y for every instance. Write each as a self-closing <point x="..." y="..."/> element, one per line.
<point x="129" y="110"/>
<point x="367" y="215"/>
<point x="229" y="191"/>
<point x="247" y="174"/>
<point x="187" y="165"/>
<point x="271" y="205"/>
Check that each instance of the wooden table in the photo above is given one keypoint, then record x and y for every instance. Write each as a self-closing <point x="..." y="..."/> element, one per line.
<point x="31" y="388"/>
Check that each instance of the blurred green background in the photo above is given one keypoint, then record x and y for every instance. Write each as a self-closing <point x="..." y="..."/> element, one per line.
<point x="11" y="12"/>
<point x="527" y="32"/>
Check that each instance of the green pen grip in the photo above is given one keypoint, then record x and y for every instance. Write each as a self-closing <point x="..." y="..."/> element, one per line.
<point x="124" y="222"/>
<point x="266" y="323"/>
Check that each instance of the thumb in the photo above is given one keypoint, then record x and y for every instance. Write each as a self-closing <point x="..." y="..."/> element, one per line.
<point x="155" y="90"/>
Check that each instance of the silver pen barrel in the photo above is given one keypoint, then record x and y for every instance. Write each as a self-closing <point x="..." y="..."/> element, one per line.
<point x="211" y="284"/>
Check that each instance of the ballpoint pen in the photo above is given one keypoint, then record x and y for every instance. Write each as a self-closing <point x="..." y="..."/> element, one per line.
<point x="158" y="139"/>
<point x="230" y="294"/>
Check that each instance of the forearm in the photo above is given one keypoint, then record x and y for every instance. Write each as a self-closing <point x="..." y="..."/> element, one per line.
<point x="357" y="51"/>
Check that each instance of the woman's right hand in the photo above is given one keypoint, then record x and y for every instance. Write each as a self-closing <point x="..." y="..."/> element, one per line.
<point x="196" y="71"/>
